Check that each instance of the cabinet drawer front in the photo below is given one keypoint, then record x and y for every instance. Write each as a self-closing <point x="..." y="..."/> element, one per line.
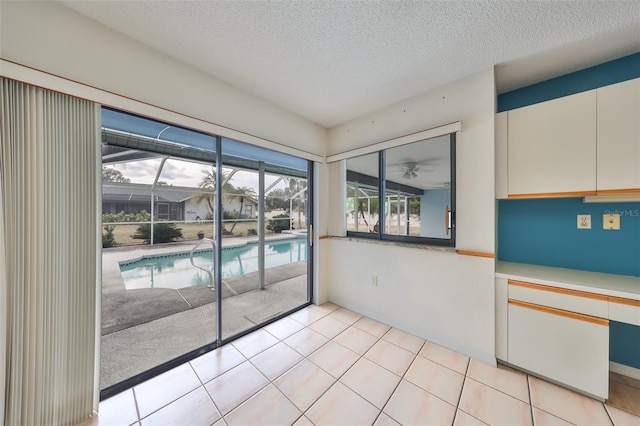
<point x="624" y="310"/>
<point x="571" y="351"/>
<point x="568" y="300"/>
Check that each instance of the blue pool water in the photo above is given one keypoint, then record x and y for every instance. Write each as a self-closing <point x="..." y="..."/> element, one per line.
<point x="175" y="270"/>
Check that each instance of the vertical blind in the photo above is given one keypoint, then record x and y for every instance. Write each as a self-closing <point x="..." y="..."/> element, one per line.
<point x="48" y="255"/>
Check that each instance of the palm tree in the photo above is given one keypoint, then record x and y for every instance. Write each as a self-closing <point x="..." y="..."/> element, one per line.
<point x="208" y="185"/>
<point x="241" y="194"/>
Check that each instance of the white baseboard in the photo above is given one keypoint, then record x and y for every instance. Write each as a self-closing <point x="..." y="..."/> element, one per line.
<point x="624" y="370"/>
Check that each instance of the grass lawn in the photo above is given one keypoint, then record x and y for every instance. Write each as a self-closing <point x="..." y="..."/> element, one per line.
<point x="123" y="233"/>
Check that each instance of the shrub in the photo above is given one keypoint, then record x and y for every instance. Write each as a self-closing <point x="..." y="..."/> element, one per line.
<point x="142" y="216"/>
<point x="108" y="240"/>
<point x="162" y="232"/>
<point x="228" y="215"/>
<point x="279" y="223"/>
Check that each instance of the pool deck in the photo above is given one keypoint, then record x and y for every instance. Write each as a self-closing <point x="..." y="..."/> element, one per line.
<point x="144" y="327"/>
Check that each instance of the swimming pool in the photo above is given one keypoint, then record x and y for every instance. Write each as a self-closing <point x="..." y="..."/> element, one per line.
<point x="175" y="270"/>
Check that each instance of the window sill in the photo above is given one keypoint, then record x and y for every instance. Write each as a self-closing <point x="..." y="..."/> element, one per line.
<point x="396" y="244"/>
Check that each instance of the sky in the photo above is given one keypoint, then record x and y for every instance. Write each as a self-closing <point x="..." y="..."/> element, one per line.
<point x="185" y="173"/>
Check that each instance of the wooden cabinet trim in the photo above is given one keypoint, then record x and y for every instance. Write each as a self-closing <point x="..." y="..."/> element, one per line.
<point x="559" y="312"/>
<point x="623" y="301"/>
<point x="475" y="253"/>
<point x="559" y="290"/>
<point x="628" y="191"/>
<point x="575" y="194"/>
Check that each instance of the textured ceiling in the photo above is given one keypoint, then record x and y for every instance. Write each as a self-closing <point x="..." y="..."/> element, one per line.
<point x="332" y="61"/>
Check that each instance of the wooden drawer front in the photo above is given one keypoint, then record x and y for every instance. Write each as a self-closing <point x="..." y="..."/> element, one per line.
<point x="569" y="348"/>
<point x="569" y="300"/>
<point x="624" y="310"/>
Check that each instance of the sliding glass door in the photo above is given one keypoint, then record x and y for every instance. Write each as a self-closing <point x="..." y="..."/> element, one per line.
<point x="204" y="239"/>
<point x="265" y="254"/>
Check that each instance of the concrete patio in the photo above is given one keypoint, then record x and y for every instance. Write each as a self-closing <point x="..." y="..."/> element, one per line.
<point x="143" y="328"/>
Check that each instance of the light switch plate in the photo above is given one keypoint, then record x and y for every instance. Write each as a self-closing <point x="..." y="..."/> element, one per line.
<point x="584" y="221"/>
<point x="611" y="221"/>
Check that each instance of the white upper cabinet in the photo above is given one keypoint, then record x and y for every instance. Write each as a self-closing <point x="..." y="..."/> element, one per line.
<point x="552" y="147"/>
<point x="619" y="136"/>
<point x="501" y="155"/>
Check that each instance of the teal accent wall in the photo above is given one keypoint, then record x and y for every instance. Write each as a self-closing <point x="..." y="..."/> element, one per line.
<point x="544" y="232"/>
<point x="612" y="72"/>
<point x="624" y="344"/>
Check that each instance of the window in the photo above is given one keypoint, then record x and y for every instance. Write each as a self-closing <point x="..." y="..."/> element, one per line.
<point x="417" y="183"/>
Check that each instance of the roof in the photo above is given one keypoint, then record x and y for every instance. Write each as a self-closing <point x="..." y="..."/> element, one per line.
<point x="112" y="191"/>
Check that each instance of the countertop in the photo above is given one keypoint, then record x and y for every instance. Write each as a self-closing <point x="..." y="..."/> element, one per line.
<point x="594" y="282"/>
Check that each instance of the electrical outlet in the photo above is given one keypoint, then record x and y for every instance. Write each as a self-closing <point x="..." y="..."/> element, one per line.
<point x="584" y="221"/>
<point x="374" y="280"/>
<point x="611" y="221"/>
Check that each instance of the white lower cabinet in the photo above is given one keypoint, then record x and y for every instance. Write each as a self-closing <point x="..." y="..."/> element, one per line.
<point x="502" y="319"/>
<point x="624" y="310"/>
<point x="569" y="348"/>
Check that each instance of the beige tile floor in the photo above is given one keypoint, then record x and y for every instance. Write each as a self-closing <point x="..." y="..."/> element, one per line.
<point x="326" y="365"/>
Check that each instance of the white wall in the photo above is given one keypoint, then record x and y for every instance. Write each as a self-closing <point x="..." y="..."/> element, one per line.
<point x="54" y="39"/>
<point x="441" y="296"/>
<point x="471" y="100"/>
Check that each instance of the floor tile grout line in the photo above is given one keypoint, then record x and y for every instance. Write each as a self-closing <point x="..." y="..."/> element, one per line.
<point x="421" y="388"/>
<point x="470" y="415"/>
<point x="282" y="374"/>
<point x="464" y="381"/>
<point x="397" y="386"/>
<point x="441" y="364"/>
<point x="203" y="386"/>
<point x="169" y="403"/>
<point x="555" y="415"/>
<point x="608" y="413"/>
<point x="530" y="400"/>
<point x="337" y="379"/>
<point x="288" y="399"/>
<point x="269" y="381"/>
<point x="135" y="401"/>
<point x="379" y="337"/>
<point x="500" y="390"/>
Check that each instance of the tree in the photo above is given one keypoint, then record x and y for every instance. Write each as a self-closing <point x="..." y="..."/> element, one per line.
<point x="241" y="194"/>
<point x="276" y="199"/>
<point x="208" y="185"/>
<point x="113" y="175"/>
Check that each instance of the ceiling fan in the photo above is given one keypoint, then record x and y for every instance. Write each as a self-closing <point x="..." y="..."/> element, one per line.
<point x="410" y="170"/>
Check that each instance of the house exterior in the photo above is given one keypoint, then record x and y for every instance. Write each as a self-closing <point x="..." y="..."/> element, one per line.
<point x="170" y="202"/>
